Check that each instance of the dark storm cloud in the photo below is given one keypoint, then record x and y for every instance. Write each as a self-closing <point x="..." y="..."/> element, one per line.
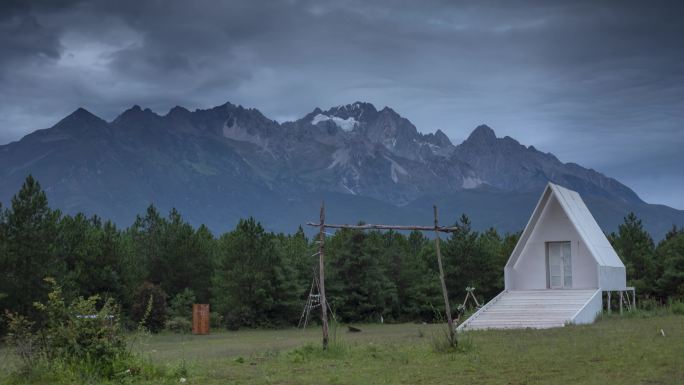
<point x="23" y="38"/>
<point x="598" y="83"/>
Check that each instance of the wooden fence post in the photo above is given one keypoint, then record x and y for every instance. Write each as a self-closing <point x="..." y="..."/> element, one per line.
<point x="321" y="277"/>
<point x="450" y="322"/>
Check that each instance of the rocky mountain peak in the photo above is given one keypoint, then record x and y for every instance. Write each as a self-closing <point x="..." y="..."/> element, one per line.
<point x="178" y="111"/>
<point x="81" y="115"/>
<point x="356" y="109"/>
<point x="355" y="113"/>
<point x="135" y="114"/>
<point x="439" y="138"/>
<point x="482" y="134"/>
<point x="80" y="120"/>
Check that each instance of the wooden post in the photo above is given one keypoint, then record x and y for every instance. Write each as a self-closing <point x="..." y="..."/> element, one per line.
<point x="633" y="298"/>
<point x="321" y="277"/>
<point x="450" y="322"/>
<point x="620" y="302"/>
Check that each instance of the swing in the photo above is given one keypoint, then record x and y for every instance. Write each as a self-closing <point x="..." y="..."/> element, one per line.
<point x="462" y="307"/>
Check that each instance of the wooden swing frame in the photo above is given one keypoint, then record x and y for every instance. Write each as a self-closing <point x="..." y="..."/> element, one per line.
<point x="321" y="262"/>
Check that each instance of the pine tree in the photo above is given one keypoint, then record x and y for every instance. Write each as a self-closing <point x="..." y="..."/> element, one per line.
<point x="175" y="267"/>
<point x="203" y="262"/>
<point x="91" y="257"/>
<point x="423" y="295"/>
<point x="30" y="229"/>
<point x="670" y="255"/>
<point x="252" y="286"/>
<point x="358" y="287"/>
<point x="488" y="279"/>
<point x="461" y="260"/>
<point x="147" y="234"/>
<point x="635" y="247"/>
<point x="298" y="255"/>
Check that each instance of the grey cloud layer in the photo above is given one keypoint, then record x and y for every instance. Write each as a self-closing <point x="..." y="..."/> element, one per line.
<point x="597" y="83"/>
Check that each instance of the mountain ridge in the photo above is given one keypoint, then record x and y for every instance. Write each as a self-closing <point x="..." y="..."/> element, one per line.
<point x="222" y="163"/>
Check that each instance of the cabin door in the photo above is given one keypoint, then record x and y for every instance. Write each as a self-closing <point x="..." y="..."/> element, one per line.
<point x="560" y="265"/>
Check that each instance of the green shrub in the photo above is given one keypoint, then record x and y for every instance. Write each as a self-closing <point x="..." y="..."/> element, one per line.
<point x="181" y="304"/>
<point x="80" y="342"/>
<point x="677" y="307"/>
<point x="149" y="307"/>
<point x="179" y="325"/>
<point x="81" y="333"/>
<point x="648" y="304"/>
<point x="233" y="322"/>
<point x="216" y="320"/>
<point x="23" y="340"/>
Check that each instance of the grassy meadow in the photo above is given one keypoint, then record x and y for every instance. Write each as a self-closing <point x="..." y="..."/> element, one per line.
<point x="614" y="350"/>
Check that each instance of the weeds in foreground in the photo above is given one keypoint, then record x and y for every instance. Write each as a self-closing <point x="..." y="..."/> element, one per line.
<point x="80" y="342"/>
<point x="440" y="341"/>
<point x="443" y="340"/>
<point x="23" y="340"/>
<point x="337" y="348"/>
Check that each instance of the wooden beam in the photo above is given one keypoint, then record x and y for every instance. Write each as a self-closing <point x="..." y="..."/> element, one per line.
<point x="450" y="322"/>
<point x="321" y="277"/>
<point x="442" y="229"/>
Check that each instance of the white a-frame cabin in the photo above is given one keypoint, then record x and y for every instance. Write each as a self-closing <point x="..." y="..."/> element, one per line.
<point x="557" y="272"/>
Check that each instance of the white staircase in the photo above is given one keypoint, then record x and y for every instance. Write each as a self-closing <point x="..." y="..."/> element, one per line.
<point x="538" y="309"/>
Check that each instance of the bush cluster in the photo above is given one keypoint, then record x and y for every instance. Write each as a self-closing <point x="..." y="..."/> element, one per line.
<point x="84" y="335"/>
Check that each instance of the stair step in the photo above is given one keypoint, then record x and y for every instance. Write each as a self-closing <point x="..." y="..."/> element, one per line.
<point x="529" y="316"/>
<point x="484" y="327"/>
<point x="518" y="322"/>
<point x="530" y="309"/>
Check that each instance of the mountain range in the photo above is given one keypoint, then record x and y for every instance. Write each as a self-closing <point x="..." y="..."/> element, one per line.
<point x="229" y="162"/>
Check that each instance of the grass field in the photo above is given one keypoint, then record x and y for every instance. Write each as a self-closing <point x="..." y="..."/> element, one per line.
<point x="616" y="350"/>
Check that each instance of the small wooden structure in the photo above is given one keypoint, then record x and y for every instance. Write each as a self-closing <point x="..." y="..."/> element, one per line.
<point x="321" y="264"/>
<point x="200" y="318"/>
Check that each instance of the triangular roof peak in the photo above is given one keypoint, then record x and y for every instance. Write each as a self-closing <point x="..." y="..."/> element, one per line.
<point x="582" y="221"/>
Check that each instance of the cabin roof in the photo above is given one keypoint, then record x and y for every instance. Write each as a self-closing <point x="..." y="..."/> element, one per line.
<point x="581" y="219"/>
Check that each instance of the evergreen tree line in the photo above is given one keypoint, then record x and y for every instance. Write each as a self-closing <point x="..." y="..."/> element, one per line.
<point x="255" y="278"/>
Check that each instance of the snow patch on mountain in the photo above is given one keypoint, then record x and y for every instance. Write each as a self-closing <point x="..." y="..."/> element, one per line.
<point x="352" y="192"/>
<point x="390" y="143"/>
<point x="395" y="170"/>
<point x="344" y="182"/>
<point x="345" y="124"/>
<point x="340" y="157"/>
<point x="471" y="182"/>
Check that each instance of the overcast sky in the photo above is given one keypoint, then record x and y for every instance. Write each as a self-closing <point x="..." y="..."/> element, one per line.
<point x="598" y="83"/>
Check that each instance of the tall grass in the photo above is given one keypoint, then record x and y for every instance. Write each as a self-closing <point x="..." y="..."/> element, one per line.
<point x="336" y="348"/>
<point x="647" y="308"/>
